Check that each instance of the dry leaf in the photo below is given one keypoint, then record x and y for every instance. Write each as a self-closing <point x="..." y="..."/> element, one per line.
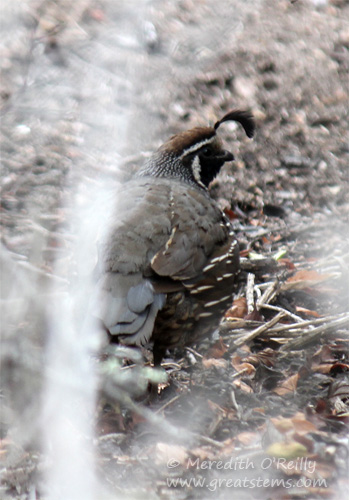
<point x="238" y="309"/>
<point x="307" y="441"/>
<point x="302" y="425"/>
<point x="287" y="450"/>
<point x="163" y="453"/>
<point x="230" y="213"/>
<point x="305" y="279"/>
<point x="202" y="454"/>
<point x="254" y="316"/>
<point x="308" y="312"/>
<point x="287" y="263"/>
<point x="248" y="438"/>
<point x="288" y="385"/>
<point x="241" y="385"/>
<point x="218" y="349"/>
<point x="259" y="410"/>
<point x="266" y="357"/>
<point x="213" y="362"/>
<point x="323" y="368"/>
<point x="297" y="423"/>
<point x="324" y="354"/>
<point x="241" y="365"/>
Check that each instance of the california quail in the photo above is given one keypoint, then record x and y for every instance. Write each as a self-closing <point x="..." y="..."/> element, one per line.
<point x="166" y="268"/>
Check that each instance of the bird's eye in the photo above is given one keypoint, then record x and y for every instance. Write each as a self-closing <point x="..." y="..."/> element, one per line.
<point x="207" y="151"/>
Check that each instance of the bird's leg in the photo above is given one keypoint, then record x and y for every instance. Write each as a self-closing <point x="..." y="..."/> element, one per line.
<point x="158" y="354"/>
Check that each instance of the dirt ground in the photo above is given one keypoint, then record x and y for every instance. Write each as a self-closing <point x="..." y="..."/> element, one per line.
<point x="87" y="90"/>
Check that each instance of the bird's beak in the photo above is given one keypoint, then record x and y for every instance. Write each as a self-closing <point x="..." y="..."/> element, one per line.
<point x="226" y="156"/>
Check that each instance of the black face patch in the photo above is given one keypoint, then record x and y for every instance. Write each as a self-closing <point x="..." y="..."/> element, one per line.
<point x="211" y="162"/>
<point x="206" y="161"/>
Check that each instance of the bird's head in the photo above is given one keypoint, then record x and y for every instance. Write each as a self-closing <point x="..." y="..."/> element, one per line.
<point x="196" y="155"/>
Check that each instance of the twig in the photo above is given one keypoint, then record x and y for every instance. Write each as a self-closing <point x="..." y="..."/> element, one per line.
<point x="280" y="309"/>
<point x="234" y="403"/>
<point x="250" y="336"/>
<point x="299" y="343"/>
<point x="299" y="327"/>
<point x="210" y="441"/>
<point x="234" y="326"/>
<point x="268" y="294"/>
<point x="168" y="403"/>
<point x="195" y="353"/>
<point x="237" y="374"/>
<point x="249" y="292"/>
<point x="40" y="272"/>
<point x="52" y="234"/>
<point x="264" y="286"/>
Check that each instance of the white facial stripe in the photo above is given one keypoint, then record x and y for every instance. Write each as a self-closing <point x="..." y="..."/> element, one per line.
<point x="197" y="146"/>
<point x="196" y="168"/>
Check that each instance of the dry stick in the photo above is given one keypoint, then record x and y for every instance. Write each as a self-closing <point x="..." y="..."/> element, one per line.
<point x="230" y="326"/>
<point x="249" y="292"/>
<point x="309" y="336"/>
<point x="268" y="294"/>
<point x="210" y="441"/>
<point x="281" y="309"/>
<point x="299" y="327"/>
<point x="240" y="325"/>
<point x="52" y="234"/>
<point x="259" y="330"/>
<point x="154" y="419"/>
<point x="237" y="374"/>
<point x="195" y="353"/>
<point x="41" y="273"/>
<point x="169" y="403"/>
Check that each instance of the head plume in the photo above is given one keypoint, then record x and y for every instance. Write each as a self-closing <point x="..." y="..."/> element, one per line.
<point x="245" y="118"/>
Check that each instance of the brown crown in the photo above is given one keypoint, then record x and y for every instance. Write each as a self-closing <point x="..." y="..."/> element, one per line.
<point x="182" y="141"/>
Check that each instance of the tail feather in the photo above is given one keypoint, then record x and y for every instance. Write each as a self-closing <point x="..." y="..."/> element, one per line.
<point x="127" y="312"/>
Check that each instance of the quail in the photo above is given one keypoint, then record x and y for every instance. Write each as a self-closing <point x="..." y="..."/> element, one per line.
<point x="168" y="261"/>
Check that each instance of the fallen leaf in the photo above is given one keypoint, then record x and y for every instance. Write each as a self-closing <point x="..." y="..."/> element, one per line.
<point x="323" y="368"/>
<point x="214" y="362"/>
<point x="308" y="312"/>
<point x="302" y="425"/>
<point x="287" y="450"/>
<point x="244" y="253"/>
<point x="297" y="423"/>
<point x="254" y="316"/>
<point x="288" y="263"/>
<point x="259" y="410"/>
<point x="248" y="438"/>
<point x="215" y="407"/>
<point x="287" y="386"/>
<point x="202" y="454"/>
<point x="163" y="453"/>
<point x="230" y="213"/>
<point x="241" y="365"/>
<point x="265" y="357"/>
<point x="218" y="349"/>
<point x="244" y="387"/>
<point x="324" y="354"/>
<point x="308" y="442"/>
<point x="304" y="279"/>
<point x="238" y="309"/>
